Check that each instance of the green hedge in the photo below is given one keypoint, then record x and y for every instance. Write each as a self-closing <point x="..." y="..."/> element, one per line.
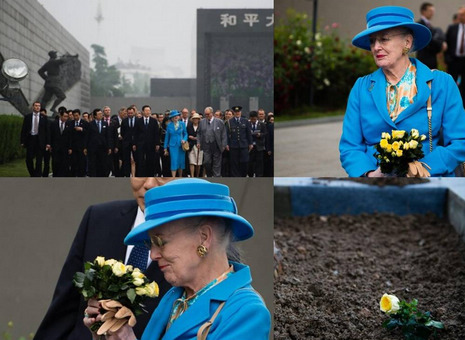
<point x="10" y="132"/>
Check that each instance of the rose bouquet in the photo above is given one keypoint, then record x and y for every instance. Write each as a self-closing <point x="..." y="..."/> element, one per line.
<point x="398" y="153"/>
<point x="120" y="290"/>
<point x="415" y="325"/>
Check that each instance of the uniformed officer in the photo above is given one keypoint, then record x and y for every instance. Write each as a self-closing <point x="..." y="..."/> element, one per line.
<point x="239" y="143"/>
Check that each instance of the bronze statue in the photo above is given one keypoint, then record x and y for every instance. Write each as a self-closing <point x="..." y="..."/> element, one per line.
<point x="54" y="79"/>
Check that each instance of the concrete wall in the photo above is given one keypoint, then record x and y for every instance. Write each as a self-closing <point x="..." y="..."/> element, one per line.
<point x="173" y="87"/>
<point x="40" y="219"/>
<point x="29" y="32"/>
<point x="158" y="104"/>
<point x="350" y="14"/>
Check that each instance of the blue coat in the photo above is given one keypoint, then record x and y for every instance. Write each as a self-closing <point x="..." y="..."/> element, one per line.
<point x="243" y="314"/>
<point x="367" y="117"/>
<point x="173" y="137"/>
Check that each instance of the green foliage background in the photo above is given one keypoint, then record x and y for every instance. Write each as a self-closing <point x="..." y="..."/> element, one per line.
<point x="329" y="64"/>
<point x="10" y="131"/>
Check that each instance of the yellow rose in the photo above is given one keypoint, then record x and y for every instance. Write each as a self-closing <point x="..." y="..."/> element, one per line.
<point x="393" y="154"/>
<point x="406" y="146"/>
<point x="389" y="148"/>
<point x="413" y="144"/>
<point x="415" y="133"/>
<point x="383" y="143"/>
<point x="138" y="281"/>
<point x="423" y="137"/>
<point x="395" y="146"/>
<point x="399" y="153"/>
<point x="119" y="269"/>
<point x="110" y="262"/>
<point x="100" y="260"/>
<point x="129" y="268"/>
<point x="389" y="304"/>
<point x="398" y="134"/>
<point x="137" y="274"/>
<point x="140" y="291"/>
<point x="385" y="135"/>
<point x="152" y="289"/>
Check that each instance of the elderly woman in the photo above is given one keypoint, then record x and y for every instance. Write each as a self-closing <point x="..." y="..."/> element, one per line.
<point x="195" y="154"/>
<point x="395" y="98"/>
<point x="190" y="224"/>
<point x="175" y="137"/>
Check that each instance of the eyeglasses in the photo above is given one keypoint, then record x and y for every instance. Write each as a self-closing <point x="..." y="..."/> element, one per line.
<point x="383" y="40"/>
<point x="157" y="241"/>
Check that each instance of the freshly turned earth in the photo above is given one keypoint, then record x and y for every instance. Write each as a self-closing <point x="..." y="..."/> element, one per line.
<point x="335" y="270"/>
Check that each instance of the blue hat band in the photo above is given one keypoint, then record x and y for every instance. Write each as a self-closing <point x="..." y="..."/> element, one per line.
<point x="164" y="208"/>
<point x="386" y="20"/>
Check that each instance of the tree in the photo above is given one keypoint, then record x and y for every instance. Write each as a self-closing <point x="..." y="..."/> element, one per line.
<point x="104" y="79"/>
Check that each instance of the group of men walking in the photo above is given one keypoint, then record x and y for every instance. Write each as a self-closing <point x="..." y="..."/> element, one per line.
<point x="131" y="143"/>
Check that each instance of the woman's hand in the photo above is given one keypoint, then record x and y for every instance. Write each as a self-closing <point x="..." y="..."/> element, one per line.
<point x="124" y="333"/>
<point x="92" y="315"/>
<point x="376" y="173"/>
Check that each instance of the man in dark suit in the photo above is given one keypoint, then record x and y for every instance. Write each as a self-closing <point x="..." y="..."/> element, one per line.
<point x="269" y="159"/>
<point x="99" y="145"/>
<point x="455" y="53"/>
<point x="212" y="139"/>
<point x="428" y="55"/>
<point x="47" y="153"/>
<point x="258" y="149"/>
<point x="239" y="143"/>
<point x="101" y="233"/>
<point x="147" y="143"/>
<point x="60" y="139"/>
<point x="128" y="140"/>
<point x="115" y="131"/>
<point x="35" y="137"/>
<point x="79" y="137"/>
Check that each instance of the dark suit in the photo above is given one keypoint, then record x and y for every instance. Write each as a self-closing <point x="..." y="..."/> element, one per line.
<point x="98" y="145"/>
<point x="116" y="157"/>
<point x="60" y="143"/>
<point x="239" y="139"/>
<point x="129" y="139"/>
<point x="269" y="158"/>
<point x="78" y="144"/>
<point x="455" y="64"/>
<point x="147" y="138"/>
<point x="258" y="150"/>
<point x="101" y="233"/>
<point x="428" y="55"/>
<point x="35" y="145"/>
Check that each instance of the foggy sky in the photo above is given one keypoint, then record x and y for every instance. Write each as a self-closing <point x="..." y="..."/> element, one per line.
<point x="160" y="34"/>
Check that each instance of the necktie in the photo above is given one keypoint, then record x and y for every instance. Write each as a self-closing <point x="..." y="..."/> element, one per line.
<point x="99" y="126"/>
<point x="253" y="127"/>
<point x="131" y="123"/>
<point x="461" y="40"/>
<point x="77" y="123"/>
<point x="36" y="123"/>
<point x="138" y="257"/>
<point x="61" y="127"/>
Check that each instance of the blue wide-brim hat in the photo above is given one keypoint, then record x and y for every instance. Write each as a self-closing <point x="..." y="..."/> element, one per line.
<point x="174" y="113"/>
<point x="385" y="17"/>
<point x="189" y="198"/>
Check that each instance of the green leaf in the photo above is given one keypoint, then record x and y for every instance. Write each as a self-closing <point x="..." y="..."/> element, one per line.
<point x="90" y="274"/>
<point x="131" y="293"/>
<point x="113" y="288"/>
<point x="435" y="324"/>
<point x="78" y="279"/>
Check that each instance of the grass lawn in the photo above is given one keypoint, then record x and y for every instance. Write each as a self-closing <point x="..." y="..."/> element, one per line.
<point x="308" y="113"/>
<point x="16" y="168"/>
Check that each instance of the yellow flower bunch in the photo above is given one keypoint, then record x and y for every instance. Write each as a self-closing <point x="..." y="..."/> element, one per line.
<point x="397" y="149"/>
<point x="109" y="279"/>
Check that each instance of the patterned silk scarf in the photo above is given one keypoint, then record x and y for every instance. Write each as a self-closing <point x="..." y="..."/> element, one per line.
<point x="402" y="94"/>
<point x="184" y="302"/>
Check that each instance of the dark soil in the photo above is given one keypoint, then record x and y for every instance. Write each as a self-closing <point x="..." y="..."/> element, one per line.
<point x="381" y="181"/>
<point x="335" y="270"/>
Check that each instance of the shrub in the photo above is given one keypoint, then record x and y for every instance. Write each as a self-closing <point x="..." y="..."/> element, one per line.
<point x="329" y="64"/>
<point x="10" y="132"/>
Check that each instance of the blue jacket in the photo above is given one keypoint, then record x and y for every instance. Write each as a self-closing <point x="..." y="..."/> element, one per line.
<point x="173" y="137"/>
<point x="367" y="117"/>
<point x="243" y="314"/>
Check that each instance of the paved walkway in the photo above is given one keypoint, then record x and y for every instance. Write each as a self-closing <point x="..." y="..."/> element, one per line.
<point x="310" y="150"/>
